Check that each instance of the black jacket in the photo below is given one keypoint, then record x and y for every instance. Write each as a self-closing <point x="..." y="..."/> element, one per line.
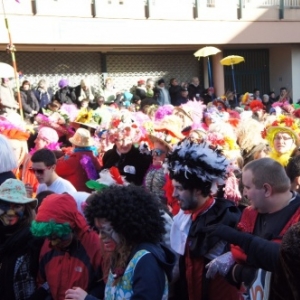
<point x="123" y="162"/>
<point x="65" y="95"/>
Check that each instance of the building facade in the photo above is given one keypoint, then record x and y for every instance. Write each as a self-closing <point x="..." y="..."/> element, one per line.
<point x="133" y="39"/>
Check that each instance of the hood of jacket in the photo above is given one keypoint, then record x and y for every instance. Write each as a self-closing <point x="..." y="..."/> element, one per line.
<point x="166" y="258"/>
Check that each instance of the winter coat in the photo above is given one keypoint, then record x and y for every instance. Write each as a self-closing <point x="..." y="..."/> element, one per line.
<point x="19" y="252"/>
<point x="70" y="168"/>
<point x="133" y="165"/>
<point x="193" y="284"/>
<point x="43" y="97"/>
<point x="65" y="95"/>
<point x="174" y="91"/>
<point x="146" y="276"/>
<point x="80" y="264"/>
<point x="193" y="91"/>
<point x="29" y="102"/>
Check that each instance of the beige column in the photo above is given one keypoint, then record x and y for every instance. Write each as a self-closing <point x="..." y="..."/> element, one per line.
<point x="218" y="74"/>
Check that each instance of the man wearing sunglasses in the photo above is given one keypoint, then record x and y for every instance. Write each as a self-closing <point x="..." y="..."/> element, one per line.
<point x="43" y="166"/>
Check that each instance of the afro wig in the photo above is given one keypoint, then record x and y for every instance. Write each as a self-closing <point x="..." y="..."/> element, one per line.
<point x="133" y="213"/>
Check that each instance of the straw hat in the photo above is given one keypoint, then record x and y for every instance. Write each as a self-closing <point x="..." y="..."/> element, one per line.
<point x="163" y="138"/>
<point x="13" y="191"/>
<point x="170" y="125"/>
<point x="82" y="138"/>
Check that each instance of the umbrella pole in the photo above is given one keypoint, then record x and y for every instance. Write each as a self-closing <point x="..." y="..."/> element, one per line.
<point x="234" y="87"/>
<point x="11" y="49"/>
<point x="210" y="83"/>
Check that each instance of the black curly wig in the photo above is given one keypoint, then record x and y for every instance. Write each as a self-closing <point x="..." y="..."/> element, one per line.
<point x="132" y="211"/>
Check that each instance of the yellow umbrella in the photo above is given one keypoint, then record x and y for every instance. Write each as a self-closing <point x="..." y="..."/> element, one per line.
<point x="230" y="61"/>
<point x="206" y="52"/>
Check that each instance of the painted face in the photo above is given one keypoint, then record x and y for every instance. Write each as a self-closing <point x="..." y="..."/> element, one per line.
<point x="283" y="142"/>
<point x="159" y="154"/>
<point x="123" y="144"/>
<point x="254" y="195"/>
<point x="42" y="172"/>
<point x="60" y="242"/>
<point x="187" y="199"/>
<point x="40" y="143"/>
<point x="107" y="234"/>
<point x="11" y="213"/>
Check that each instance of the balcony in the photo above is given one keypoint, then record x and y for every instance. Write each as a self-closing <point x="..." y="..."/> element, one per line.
<point x="156" y="9"/>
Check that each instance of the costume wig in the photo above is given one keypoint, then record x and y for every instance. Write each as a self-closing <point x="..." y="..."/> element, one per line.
<point x="133" y="213"/>
<point x="197" y="166"/>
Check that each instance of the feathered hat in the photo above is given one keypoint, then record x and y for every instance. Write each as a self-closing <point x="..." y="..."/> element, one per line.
<point x="256" y="105"/>
<point x="192" y="159"/>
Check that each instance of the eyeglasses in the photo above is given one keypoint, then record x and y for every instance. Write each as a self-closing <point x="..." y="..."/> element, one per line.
<point x="157" y="152"/>
<point x="40" y="171"/>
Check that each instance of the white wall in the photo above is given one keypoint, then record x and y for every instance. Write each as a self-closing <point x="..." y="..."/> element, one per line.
<point x="281" y="69"/>
<point x="296" y="73"/>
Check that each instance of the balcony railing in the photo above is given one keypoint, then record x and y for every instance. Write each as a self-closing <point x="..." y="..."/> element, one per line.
<point x="144" y="9"/>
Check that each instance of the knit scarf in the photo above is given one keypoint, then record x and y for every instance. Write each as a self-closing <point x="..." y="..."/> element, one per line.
<point x="90" y="148"/>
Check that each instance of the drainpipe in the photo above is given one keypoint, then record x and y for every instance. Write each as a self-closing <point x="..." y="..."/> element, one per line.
<point x="281" y="9"/>
<point x="240" y="10"/>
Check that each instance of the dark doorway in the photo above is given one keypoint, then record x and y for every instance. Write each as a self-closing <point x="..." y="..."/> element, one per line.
<point x="251" y="74"/>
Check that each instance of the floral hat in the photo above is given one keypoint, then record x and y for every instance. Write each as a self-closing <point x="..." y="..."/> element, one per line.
<point x="123" y="123"/>
<point x="282" y="124"/>
<point x="13" y="191"/>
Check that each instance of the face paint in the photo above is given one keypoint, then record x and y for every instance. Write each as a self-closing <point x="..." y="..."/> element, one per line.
<point x="60" y="242"/>
<point x="11" y="213"/>
<point x="109" y="237"/>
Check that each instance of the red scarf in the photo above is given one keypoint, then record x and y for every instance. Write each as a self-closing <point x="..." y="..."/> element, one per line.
<point x="206" y="206"/>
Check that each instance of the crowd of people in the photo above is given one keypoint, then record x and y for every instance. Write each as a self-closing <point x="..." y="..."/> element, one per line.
<point x="153" y="193"/>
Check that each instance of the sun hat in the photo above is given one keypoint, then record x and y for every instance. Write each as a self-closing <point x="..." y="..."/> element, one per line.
<point x="164" y="138"/>
<point x="13" y="191"/>
<point x="82" y="138"/>
<point x="172" y="125"/>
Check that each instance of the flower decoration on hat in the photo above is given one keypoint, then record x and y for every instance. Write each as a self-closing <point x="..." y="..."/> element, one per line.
<point x="84" y="116"/>
<point x="124" y="124"/>
<point x="256" y="105"/>
<point x="282" y="124"/>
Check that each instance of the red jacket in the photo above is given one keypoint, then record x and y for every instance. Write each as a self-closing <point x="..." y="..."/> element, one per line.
<point x="80" y="265"/>
<point x="70" y="168"/>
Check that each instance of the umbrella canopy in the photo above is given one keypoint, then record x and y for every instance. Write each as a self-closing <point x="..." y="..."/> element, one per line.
<point x="231" y="60"/>
<point x="6" y="71"/>
<point x="206" y="51"/>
